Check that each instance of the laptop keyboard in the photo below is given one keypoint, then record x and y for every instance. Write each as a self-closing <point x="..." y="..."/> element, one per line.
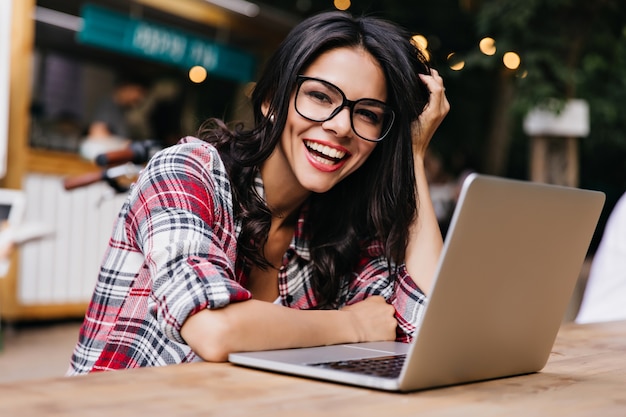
<point x="384" y="366"/>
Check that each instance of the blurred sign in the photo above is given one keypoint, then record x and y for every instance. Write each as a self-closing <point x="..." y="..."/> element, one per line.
<point x="122" y="33"/>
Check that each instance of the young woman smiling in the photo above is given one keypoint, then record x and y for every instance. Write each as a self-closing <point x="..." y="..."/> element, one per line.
<point x="314" y="227"/>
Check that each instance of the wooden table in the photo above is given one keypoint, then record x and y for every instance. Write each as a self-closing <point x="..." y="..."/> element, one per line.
<point x="585" y="376"/>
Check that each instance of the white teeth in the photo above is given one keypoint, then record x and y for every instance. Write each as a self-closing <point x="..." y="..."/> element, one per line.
<point x="325" y="150"/>
<point x="322" y="160"/>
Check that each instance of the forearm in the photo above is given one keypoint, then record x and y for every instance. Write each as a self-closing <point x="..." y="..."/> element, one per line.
<point x="425" y="239"/>
<point x="256" y="325"/>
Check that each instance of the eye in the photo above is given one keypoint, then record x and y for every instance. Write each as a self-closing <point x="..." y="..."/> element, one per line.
<point x="370" y="112"/>
<point x="319" y="93"/>
<point x="368" y="115"/>
<point x="318" y="96"/>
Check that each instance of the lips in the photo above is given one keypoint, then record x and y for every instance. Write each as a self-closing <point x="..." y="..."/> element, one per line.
<point x="324" y="154"/>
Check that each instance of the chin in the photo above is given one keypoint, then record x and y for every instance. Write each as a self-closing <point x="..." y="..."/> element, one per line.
<point x="318" y="186"/>
<point x="318" y="189"/>
<point x="320" y="182"/>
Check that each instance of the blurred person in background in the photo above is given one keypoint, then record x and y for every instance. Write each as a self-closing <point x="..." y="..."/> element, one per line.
<point x="110" y="128"/>
<point x="604" y="298"/>
<point x="126" y="116"/>
<point x="111" y="115"/>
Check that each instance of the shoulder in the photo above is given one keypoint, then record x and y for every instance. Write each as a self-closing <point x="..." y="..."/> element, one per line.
<point x="192" y="146"/>
<point x="190" y="154"/>
<point x="189" y="163"/>
<point x="188" y="174"/>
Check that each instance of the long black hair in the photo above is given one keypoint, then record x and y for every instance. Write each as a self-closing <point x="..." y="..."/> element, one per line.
<point x="375" y="203"/>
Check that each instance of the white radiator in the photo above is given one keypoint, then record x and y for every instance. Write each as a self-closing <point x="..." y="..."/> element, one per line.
<point x="63" y="267"/>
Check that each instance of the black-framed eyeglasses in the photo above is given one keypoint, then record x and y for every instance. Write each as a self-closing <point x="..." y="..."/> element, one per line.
<point x="318" y="100"/>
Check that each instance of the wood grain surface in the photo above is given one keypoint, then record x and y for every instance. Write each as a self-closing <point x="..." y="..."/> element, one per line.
<point x="585" y="376"/>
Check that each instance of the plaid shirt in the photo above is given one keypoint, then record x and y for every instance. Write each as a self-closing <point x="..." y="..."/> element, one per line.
<point x="173" y="252"/>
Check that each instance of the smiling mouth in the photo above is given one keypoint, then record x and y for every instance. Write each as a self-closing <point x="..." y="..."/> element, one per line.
<point x="324" y="154"/>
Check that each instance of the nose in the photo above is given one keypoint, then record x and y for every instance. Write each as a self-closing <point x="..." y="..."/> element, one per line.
<point x="340" y="123"/>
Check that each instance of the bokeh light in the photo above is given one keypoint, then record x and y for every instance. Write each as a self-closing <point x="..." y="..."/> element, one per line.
<point x="342" y="4"/>
<point x="197" y="74"/>
<point x="487" y="46"/>
<point x="456" y="64"/>
<point x="420" y="41"/>
<point x="511" y="60"/>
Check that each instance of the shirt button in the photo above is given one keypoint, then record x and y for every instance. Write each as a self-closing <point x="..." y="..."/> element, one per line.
<point x="289" y="298"/>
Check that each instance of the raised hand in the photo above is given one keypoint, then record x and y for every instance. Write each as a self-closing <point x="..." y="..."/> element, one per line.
<point x="435" y="111"/>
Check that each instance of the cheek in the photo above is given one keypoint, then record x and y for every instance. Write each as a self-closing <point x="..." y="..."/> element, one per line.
<point x="293" y="121"/>
<point x="291" y="131"/>
<point x="365" y="150"/>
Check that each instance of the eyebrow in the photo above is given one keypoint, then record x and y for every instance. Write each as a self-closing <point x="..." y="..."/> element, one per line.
<point x="343" y="92"/>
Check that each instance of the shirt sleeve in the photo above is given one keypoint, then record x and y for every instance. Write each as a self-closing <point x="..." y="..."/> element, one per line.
<point x="410" y="304"/>
<point x="181" y="219"/>
<point x="375" y="275"/>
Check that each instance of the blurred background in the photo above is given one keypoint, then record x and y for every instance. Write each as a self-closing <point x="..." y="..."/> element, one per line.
<point x="535" y="88"/>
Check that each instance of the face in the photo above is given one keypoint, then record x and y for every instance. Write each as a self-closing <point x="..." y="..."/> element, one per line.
<point x="318" y="155"/>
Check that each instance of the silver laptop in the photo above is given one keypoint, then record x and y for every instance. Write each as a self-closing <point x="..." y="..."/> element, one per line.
<point x="509" y="265"/>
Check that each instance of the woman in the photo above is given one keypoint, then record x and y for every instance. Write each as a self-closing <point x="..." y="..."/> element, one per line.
<point x="306" y="230"/>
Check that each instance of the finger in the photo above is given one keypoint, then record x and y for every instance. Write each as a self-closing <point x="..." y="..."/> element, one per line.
<point x="433" y="84"/>
<point x="437" y="77"/>
<point x="435" y="74"/>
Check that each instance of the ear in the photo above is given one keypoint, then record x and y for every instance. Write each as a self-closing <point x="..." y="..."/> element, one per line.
<point x="265" y="108"/>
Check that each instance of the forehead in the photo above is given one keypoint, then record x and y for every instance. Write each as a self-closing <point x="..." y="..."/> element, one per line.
<point x="354" y="70"/>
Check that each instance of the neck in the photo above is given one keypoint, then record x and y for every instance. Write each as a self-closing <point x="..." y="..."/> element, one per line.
<point x="284" y="206"/>
<point x="283" y="193"/>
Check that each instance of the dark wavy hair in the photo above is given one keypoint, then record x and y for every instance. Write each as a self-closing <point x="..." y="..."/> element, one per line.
<point x="375" y="203"/>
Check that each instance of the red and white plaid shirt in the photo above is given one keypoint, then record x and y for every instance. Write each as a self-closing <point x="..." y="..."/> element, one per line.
<point x="173" y="252"/>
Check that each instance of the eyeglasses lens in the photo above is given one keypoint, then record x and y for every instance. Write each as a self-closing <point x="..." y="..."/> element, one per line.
<point x="319" y="101"/>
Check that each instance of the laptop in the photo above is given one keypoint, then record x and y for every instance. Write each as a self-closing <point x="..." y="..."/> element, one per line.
<point x="510" y="262"/>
